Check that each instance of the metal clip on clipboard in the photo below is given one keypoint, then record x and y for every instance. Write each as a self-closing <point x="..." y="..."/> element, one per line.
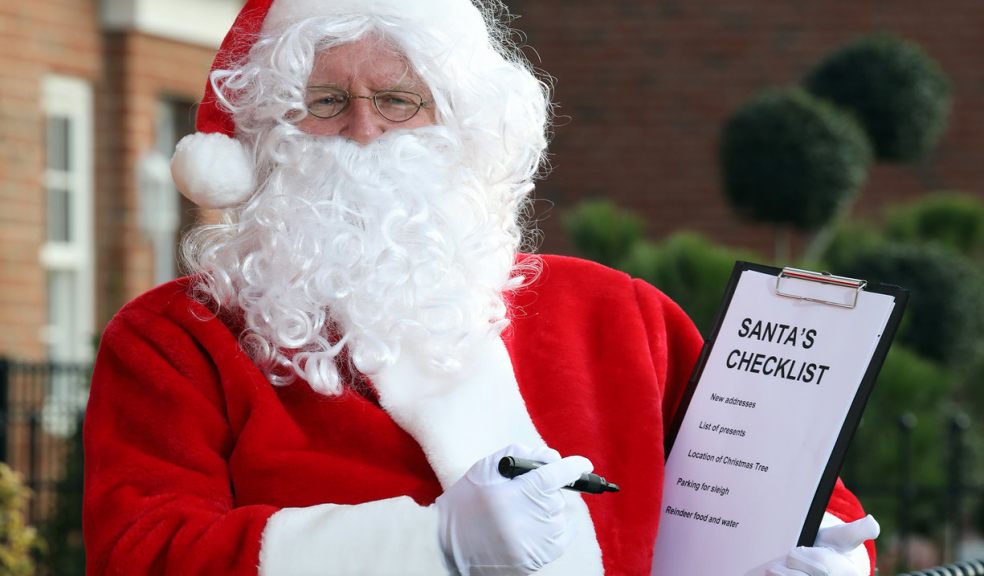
<point x="820" y="287"/>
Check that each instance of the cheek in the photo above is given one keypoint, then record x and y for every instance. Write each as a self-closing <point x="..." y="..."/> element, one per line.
<point x="423" y="118"/>
<point x="319" y="126"/>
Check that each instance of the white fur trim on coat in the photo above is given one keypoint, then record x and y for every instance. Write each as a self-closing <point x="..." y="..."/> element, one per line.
<point x="459" y="418"/>
<point x="395" y="536"/>
<point x="212" y="170"/>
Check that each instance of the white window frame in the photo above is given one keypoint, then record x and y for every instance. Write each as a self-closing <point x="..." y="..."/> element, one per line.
<point x="71" y="98"/>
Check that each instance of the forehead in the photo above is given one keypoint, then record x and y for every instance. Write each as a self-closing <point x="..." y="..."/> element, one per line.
<point x="370" y="61"/>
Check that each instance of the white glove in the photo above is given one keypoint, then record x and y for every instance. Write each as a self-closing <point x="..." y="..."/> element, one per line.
<point x="493" y="525"/>
<point x="831" y="554"/>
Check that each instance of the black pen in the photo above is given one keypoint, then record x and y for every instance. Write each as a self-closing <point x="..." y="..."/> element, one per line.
<point x="510" y="467"/>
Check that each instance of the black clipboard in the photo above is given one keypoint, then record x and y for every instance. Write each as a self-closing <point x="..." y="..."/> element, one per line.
<point x="783" y="276"/>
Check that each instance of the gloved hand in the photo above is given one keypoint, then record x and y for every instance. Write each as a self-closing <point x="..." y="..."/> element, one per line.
<point x="830" y="554"/>
<point x="493" y="525"/>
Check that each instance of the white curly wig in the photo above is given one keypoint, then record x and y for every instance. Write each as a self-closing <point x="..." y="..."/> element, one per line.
<point x="299" y="262"/>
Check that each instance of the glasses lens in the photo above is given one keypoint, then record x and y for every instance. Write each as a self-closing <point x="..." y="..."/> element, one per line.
<point x="326" y="102"/>
<point x="397" y="106"/>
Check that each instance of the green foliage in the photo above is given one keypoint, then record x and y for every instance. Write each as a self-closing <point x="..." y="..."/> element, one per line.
<point x="601" y="231"/>
<point x="894" y="88"/>
<point x="790" y="158"/>
<point x="953" y="221"/>
<point x="943" y="321"/>
<point x="63" y="532"/>
<point x="690" y="270"/>
<point x="18" y="541"/>
<point x="909" y="384"/>
<point x="851" y="238"/>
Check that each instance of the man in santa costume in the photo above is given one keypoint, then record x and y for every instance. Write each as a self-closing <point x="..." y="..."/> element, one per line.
<point x="362" y="338"/>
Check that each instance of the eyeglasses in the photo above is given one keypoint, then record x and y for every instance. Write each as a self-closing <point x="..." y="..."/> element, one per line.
<point x="394" y="105"/>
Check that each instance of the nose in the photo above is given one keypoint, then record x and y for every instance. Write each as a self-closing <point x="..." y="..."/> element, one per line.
<point x="361" y="122"/>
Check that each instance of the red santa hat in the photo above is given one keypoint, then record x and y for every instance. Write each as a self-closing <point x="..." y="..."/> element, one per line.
<point x="211" y="167"/>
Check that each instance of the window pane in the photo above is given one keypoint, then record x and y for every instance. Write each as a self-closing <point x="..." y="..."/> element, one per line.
<point x="62" y="328"/>
<point x="59" y="215"/>
<point x="59" y="135"/>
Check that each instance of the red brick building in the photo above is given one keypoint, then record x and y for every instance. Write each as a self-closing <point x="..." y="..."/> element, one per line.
<point x="96" y="92"/>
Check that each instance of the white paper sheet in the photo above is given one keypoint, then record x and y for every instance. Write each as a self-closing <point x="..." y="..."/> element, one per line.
<point x="761" y="426"/>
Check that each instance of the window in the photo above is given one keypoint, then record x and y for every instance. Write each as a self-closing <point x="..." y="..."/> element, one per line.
<point x="67" y="255"/>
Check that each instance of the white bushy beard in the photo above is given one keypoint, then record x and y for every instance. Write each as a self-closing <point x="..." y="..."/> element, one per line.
<point x="389" y="248"/>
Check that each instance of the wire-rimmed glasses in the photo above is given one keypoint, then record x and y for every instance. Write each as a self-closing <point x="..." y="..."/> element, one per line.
<point x="394" y="105"/>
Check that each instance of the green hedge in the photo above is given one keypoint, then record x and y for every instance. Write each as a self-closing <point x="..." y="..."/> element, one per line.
<point x="953" y="221"/>
<point x="690" y="270"/>
<point x="601" y="231"/>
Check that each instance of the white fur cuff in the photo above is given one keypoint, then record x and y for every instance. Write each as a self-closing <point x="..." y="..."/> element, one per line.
<point x="394" y="536"/>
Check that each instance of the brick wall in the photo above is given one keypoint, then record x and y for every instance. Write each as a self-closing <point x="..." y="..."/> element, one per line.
<point x="141" y="70"/>
<point x="644" y="88"/>
<point x="128" y="73"/>
<point x="38" y="37"/>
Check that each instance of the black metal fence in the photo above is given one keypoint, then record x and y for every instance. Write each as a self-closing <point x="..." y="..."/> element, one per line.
<point x="41" y="407"/>
<point x="929" y="523"/>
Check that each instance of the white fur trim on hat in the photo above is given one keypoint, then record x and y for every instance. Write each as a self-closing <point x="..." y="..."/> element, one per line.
<point x="212" y="170"/>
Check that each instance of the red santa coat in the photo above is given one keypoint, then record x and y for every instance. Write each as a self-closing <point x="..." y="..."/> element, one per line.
<point x="195" y="464"/>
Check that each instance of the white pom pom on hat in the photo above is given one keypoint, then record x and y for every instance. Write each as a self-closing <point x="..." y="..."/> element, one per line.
<point x="212" y="170"/>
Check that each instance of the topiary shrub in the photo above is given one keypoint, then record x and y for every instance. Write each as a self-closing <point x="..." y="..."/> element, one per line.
<point x="790" y="158"/>
<point x="601" y="231"/>
<point x="690" y="270"/>
<point x="943" y="321"/>
<point x="953" y="221"/>
<point x="19" y="542"/>
<point x="898" y="93"/>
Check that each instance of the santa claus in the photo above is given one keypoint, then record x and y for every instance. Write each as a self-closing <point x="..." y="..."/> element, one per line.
<point x="362" y="338"/>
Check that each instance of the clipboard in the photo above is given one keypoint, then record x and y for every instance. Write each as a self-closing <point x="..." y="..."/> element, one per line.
<point x="810" y="295"/>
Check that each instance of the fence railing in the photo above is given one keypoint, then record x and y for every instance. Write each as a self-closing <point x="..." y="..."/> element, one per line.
<point x="41" y="408"/>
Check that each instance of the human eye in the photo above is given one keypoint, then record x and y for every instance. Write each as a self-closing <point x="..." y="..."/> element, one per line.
<point x="326" y="102"/>
<point x="398" y="99"/>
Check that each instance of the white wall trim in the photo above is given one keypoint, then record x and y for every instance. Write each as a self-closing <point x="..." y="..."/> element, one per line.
<point x="71" y="98"/>
<point x="202" y="22"/>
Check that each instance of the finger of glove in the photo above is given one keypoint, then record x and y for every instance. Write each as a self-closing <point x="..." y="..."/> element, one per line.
<point x="555" y="475"/>
<point x="486" y="471"/>
<point x="817" y="561"/>
<point x="846" y="537"/>
<point x="543" y="454"/>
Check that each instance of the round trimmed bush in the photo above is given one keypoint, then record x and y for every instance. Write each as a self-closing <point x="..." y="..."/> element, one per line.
<point x="790" y="158"/>
<point x="899" y="94"/>
<point x="944" y="320"/>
